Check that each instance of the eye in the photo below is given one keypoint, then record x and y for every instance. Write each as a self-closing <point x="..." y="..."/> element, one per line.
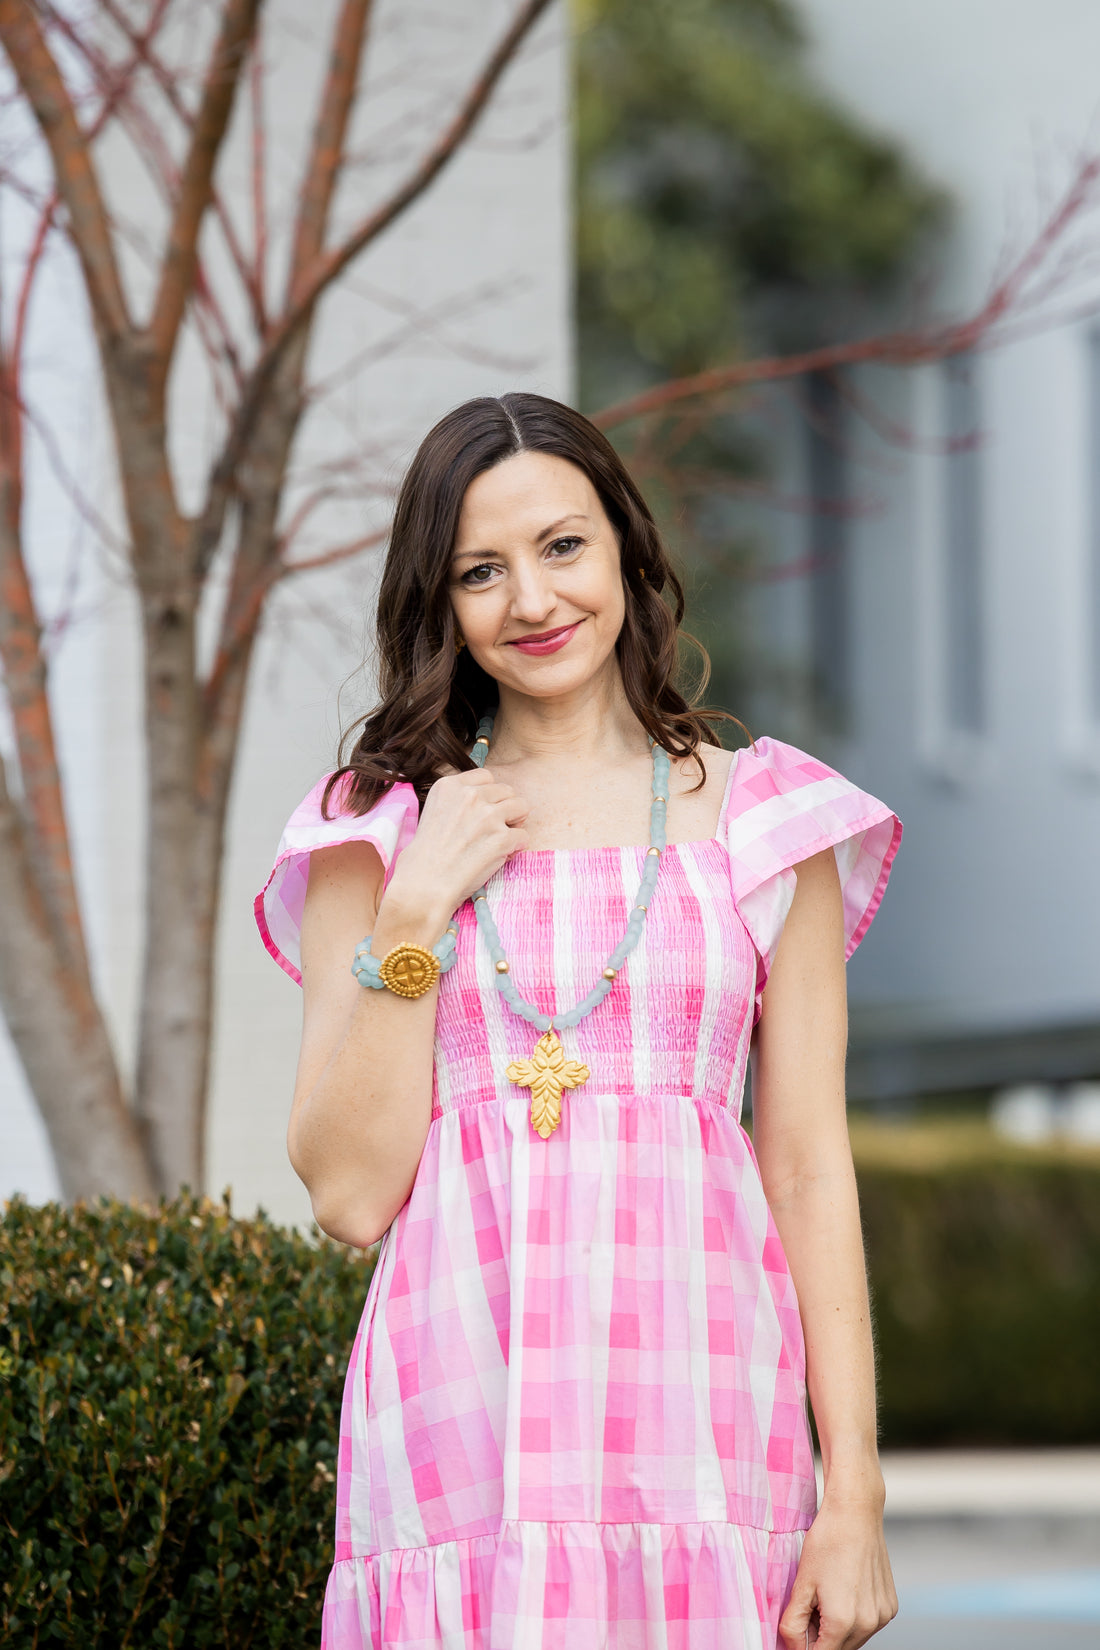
<point x="481" y="574"/>
<point x="565" y="546"/>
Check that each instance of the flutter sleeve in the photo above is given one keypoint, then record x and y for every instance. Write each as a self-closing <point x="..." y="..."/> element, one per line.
<point x="389" y="825"/>
<point x="784" y="806"/>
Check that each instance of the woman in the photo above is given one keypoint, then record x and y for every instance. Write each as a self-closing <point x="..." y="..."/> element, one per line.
<point x="575" y="1410"/>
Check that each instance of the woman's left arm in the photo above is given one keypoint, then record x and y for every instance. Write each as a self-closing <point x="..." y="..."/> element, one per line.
<point x="844" y="1588"/>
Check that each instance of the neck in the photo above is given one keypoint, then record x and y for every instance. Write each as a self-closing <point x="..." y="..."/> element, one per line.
<point x="593" y="724"/>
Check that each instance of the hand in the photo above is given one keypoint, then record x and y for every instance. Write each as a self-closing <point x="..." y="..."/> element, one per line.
<point x="469" y="825"/>
<point x="844" y="1590"/>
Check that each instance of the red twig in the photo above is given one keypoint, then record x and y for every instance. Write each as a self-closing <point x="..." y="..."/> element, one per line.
<point x="329" y="266"/>
<point x="166" y="85"/>
<point x="30" y="269"/>
<point x="45" y="90"/>
<point x="899" y="348"/>
<point x="339" y="552"/>
<point x="196" y="183"/>
<point x="259" y="187"/>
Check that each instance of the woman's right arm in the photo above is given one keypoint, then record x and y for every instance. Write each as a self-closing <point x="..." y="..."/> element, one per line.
<point x="363" y="1091"/>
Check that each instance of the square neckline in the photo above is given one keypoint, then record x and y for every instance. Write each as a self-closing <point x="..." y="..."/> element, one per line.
<point x="633" y="847"/>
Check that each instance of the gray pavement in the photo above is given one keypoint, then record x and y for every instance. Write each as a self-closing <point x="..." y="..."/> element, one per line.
<point x="994" y="1551"/>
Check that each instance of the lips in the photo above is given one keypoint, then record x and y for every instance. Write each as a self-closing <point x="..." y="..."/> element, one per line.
<point x="547" y="641"/>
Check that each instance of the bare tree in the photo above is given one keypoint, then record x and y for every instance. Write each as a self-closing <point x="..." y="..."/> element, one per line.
<point x="114" y="69"/>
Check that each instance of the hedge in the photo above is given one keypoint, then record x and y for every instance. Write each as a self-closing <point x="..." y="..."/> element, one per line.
<point x="984" y="1261"/>
<point x="170" y="1386"/>
<point x="170" y="1382"/>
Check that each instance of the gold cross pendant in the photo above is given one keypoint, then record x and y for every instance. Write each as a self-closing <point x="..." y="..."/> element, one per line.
<point x="546" y="1073"/>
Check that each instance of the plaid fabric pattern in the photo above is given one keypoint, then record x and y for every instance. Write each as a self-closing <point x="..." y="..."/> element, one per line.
<point x="576" y="1402"/>
<point x="279" y="904"/>
<point x="784" y="807"/>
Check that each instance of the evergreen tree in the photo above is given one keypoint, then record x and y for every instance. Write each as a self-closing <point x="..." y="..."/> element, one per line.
<point x="724" y="203"/>
<point x="726" y="208"/>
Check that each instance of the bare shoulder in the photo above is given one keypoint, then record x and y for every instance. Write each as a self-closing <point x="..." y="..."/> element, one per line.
<point x="714" y="760"/>
<point x="697" y="807"/>
<point x="718" y="758"/>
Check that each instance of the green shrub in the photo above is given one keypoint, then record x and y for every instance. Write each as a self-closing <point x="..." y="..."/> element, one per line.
<point x="170" y="1386"/>
<point x="985" y="1275"/>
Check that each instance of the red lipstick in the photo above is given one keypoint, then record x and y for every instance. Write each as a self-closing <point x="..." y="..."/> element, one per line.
<point x="546" y="641"/>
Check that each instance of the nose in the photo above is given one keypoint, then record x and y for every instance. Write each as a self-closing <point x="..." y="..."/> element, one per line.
<point x="533" y="598"/>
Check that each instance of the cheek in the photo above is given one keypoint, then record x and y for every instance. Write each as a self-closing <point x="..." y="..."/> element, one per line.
<point x="612" y="605"/>
<point x="600" y="589"/>
<point x="477" y="613"/>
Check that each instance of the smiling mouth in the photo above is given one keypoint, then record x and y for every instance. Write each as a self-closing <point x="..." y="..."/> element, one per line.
<point x="546" y="641"/>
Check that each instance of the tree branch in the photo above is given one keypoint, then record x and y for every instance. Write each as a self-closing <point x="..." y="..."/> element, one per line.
<point x="328" y="558"/>
<point x="328" y="266"/>
<point x="907" y="347"/>
<point x="257" y="284"/>
<point x="142" y="45"/>
<point x="24" y="669"/>
<point x="59" y="1033"/>
<point x="45" y="90"/>
<point x="329" y="137"/>
<point x="30" y="270"/>
<point x="326" y="269"/>
<point x="196" y="184"/>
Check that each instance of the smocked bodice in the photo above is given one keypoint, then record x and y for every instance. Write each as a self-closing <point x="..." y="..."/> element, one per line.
<point x="677" y="1020"/>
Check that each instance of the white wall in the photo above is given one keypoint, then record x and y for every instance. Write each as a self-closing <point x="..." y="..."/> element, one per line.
<point x="480" y="270"/>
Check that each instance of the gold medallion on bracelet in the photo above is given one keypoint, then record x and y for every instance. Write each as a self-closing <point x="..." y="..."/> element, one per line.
<point x="409" y="970"/>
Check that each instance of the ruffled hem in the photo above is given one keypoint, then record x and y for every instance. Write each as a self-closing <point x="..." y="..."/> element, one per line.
<point x="569" y="1586"/>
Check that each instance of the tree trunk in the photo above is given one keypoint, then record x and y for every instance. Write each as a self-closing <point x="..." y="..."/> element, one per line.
<point x="61" y="1039"/>
<point x="176" y="993"/>
<point x="190" y="751"/>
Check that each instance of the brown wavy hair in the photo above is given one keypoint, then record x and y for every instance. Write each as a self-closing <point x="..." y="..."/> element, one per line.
<point x="432" y="698"/>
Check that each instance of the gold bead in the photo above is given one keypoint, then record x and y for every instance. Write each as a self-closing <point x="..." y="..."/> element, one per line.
<point x="651" y="851"/>
<point x="502" y="967"/>
<point x="610" y="973"/>
<point x="481" y="740"/>
<point x="660" y="799"/>
<point x="639" y="908"/>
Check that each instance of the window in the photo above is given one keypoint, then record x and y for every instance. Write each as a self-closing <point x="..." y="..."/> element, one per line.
<point x="830" y="573"/>
<point x="964" y="688"/>
<point x="1092" y="563"/>
<point x="952" y="639"/>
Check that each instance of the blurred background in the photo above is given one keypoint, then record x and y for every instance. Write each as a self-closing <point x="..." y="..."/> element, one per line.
<point x="828" y="273"/>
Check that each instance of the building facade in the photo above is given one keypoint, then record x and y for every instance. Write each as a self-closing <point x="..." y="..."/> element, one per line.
<point x="944" y="642"/>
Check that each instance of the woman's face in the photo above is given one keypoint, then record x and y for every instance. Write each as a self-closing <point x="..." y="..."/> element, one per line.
<point x="535" y="578"/>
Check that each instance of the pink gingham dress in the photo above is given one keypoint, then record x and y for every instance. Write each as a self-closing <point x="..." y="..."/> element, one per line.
<point x="574" y="1415"/>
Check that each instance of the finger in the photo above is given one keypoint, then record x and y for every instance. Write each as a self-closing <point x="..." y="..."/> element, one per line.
<point x="492" y="792"/>
<point x="836" y="1634"/>
<point x="866" y="1625"/>
<point x="795" y="1622"/>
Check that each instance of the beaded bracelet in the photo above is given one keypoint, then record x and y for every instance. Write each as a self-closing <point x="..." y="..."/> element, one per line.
<point x="407" y="969"/>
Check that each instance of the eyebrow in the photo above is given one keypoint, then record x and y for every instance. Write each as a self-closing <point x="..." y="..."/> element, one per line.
<point x="547" y="532"/>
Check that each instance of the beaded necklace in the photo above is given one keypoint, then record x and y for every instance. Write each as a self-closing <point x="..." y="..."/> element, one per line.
<point x="548" y="1072"/>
